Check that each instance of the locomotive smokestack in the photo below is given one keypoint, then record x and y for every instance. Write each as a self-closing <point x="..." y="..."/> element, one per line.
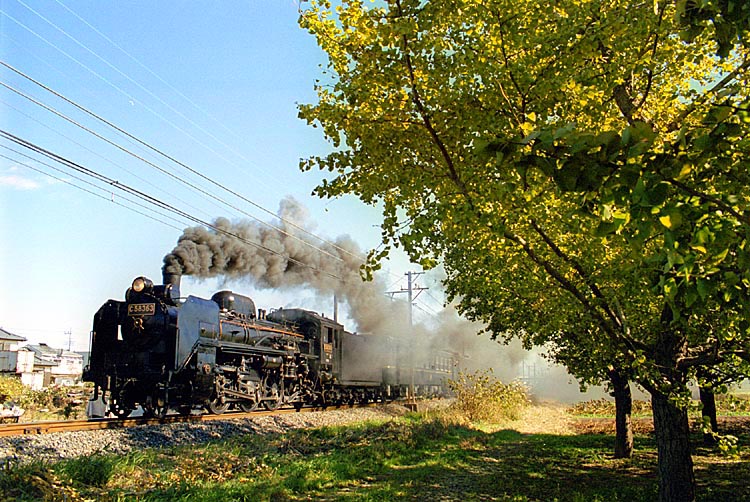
<point x="335" y="308"/>
<point x="172" y="279"/>
<point x="171" y="273"/>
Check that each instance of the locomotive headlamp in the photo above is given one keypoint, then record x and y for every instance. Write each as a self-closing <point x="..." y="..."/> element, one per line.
<point x="142" y="284"/>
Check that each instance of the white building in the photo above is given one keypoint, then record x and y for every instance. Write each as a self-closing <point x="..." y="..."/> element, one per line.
<point x="61" y="367"/>
<point x="14" y="360"/>
<point x="19" y="361"/>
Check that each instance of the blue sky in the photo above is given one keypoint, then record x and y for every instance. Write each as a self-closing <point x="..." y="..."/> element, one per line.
<point x="213" y="84"/>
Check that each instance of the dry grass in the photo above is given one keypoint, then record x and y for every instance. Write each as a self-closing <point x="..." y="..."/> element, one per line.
<point x="548" y="418"/>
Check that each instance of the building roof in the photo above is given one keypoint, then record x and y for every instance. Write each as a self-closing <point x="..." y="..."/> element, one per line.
<point x="39" y="363"/>
<point x="6" y="335"/>
<point x="44" y="350"/>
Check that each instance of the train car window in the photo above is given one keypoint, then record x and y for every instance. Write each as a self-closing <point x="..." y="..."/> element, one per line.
<point x="329" y="335"/>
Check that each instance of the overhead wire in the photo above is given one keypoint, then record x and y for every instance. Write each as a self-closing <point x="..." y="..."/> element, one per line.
<point x="163" y="81"/>
<point x="110" y="161"/>
<point x="21" y="163"/>
<point x="155" y="166"/>
<point x="146" y="145"/>
<point x="107" y="140"/>
<point x="116" y="87"/>
<point x="164" y="171"/>
<point x="144" y="89"/>
<point x="245" y="199"/>
<point x="48" y="89"/>
<point x="150" y="199"/>
<point x="322" y="239"/>
<point x="172" y="159"/>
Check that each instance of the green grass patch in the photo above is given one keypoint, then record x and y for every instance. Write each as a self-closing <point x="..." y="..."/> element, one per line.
<point x="417" y="457"/>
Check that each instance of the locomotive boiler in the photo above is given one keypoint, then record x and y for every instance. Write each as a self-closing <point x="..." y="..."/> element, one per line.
<point x="158" y="351"/>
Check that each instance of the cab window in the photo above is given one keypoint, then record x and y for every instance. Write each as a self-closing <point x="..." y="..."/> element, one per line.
<point x="329" y="335"/>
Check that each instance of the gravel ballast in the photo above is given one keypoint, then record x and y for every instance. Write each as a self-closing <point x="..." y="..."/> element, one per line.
<point x="62" y="445"/>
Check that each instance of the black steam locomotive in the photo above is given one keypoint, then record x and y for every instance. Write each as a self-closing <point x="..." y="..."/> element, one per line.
<point x="159" y="352"/>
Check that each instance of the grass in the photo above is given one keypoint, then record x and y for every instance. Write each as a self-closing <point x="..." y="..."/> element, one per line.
<point x="417" y="457"/>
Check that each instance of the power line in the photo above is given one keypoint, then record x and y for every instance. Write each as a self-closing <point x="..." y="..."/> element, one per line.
<point x="158" y="168"/>
<point x="67" y="182"/>
<point x="164" y="171"/>
<point x="174" y="160"/>
<point x="163" y="81"/>
<point x="110" y="161"/>
<point x="80" y="44"/>
<point x="137" y="140"/>
<point x="114" y="86"/>
<point x="150" y="199"/>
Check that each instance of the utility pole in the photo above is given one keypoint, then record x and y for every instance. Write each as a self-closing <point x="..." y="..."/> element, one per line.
<point x="411" y="287"/>
<point x="70" y="339"/>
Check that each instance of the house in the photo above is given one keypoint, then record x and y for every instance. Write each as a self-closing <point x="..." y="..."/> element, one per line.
<point x="60" y="366"/>
<point x="13" y="361"/>
<point x="38" y="374"/>
<point x="38" y="365"/>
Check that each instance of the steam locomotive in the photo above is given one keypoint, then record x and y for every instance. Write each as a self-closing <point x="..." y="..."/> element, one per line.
<point x="159" y="352"/>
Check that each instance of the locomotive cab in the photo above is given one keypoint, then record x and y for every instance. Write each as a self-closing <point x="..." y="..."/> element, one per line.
<point x="323" y="335"/>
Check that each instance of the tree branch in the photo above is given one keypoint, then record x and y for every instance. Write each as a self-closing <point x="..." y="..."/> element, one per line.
<point x="581" y="272"/>
<point x="616" y="334"/>
<point x="698" y="102"/>
<point x="428" y="123"/>
<point x="709" y="198"/>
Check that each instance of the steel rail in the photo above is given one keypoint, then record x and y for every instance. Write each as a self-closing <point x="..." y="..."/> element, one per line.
<point x="49" y="427"/>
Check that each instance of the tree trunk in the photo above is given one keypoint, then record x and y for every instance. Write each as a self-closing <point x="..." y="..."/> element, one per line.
<point x="623" y="412"/>
<point x="708" y="400"/>
<point x="676" y="479"/>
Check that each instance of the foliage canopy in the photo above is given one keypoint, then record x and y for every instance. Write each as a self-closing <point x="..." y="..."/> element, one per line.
<point x="580" y="167"/>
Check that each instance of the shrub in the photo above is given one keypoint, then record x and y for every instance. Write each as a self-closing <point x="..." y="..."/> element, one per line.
<point x="11" y="389"/>
<point x="33" y="401"/>
<point x="481" y="397"/>
<point x="732" y="403"/>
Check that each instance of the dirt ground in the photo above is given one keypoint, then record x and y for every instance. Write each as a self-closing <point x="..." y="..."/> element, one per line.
<point x="553" y="418"/>
<point x="549" y="418"/>
<point x="727" y="425"/>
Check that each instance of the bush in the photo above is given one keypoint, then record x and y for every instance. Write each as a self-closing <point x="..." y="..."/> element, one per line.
<point x="11" y="389"/>
<point x="481" y="397"/>
<point x="606" y="408"/>
<point x="732" y="403"/>
<point x="33" y="401"/>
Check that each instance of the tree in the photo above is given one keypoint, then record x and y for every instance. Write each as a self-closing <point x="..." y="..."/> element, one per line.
<point x="578" y="168"/>
<point x="729" y="20"/>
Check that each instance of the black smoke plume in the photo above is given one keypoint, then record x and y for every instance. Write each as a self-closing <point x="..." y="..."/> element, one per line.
<point x="271" y="259"/>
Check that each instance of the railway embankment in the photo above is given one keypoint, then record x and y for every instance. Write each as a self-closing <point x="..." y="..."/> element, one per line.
<point x="52" y="447"/>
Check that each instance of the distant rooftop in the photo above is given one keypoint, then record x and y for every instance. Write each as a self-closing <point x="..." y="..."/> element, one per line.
<point x="43" y="349"/>
<point x="7" y="335"/>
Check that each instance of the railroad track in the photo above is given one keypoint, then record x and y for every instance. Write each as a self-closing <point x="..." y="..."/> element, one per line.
<point x="47" y="427"/>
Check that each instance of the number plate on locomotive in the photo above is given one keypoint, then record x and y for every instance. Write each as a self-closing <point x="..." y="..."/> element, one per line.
<point x="141" y="309"/>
